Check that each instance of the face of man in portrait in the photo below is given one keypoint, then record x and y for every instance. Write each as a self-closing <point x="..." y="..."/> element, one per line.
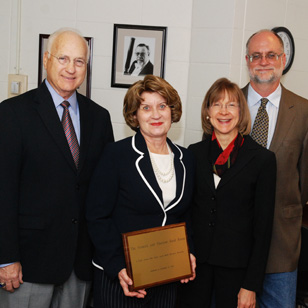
<point x="142" y="55"/>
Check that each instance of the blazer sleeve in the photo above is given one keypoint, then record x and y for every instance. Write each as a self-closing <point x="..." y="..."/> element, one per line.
<point x="264" y="201"/>
<point x="10" y="166"/>
<point x="101" y="201"/>
<point x="303" y="170"/>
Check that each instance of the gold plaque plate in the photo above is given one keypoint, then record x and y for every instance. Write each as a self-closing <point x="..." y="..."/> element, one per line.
<point x="157" y="256"/>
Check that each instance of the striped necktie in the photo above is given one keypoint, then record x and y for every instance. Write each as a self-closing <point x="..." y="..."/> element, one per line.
<point x="260" y="127"/>
<point x="70" y="132"/>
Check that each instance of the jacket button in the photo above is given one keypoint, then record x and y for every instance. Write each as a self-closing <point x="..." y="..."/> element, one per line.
<point x="74" y="220"/>
<point x="211" y="224"/>
<point x="77" y="186"/>
<point x="213" y="211"/>
<point x="213" y="198"/>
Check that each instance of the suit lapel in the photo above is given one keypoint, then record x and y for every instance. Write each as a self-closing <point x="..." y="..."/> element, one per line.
<point x="180" y="175"/>
<point x="246" y="153"/>
<point x="205" y="164"/>
<point x="286" y="116"/>
<point x="86" y="127"/>
<point x="47" y="111"/>
<point x="144" y="167"/>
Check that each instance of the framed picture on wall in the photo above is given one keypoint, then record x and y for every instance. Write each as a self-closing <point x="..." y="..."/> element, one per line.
<point x="137" y="51"/>
<point x="85" y="87"/>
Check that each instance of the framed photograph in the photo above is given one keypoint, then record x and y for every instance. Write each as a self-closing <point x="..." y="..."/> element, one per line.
<point x="85" y="87"/>
<point x="137" y="51"/>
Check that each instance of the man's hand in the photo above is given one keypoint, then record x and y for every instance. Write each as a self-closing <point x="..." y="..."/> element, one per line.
<point x="11" y="275"/>
<point x="246" y="299"/>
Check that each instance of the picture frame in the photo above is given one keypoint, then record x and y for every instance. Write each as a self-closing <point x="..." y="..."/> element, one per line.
<point x="85" y="87"/>
<point x="137" y="51"/>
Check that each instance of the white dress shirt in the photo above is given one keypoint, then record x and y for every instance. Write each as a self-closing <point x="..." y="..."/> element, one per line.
<point x="272" y="108"/>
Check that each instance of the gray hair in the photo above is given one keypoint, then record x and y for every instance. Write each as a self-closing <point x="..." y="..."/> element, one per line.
<point x="57" y="33"/>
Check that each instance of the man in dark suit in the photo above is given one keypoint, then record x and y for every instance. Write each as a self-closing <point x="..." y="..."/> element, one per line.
<point x="46" y="166"/>
<point x="142" y="65"/>
<point x="287" y="115"/>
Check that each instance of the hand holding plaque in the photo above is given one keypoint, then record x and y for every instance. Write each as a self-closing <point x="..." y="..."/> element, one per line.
<point x="157" y="256"/>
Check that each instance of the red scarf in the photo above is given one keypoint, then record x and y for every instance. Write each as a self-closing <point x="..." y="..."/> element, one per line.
<point x="227" y="158"/>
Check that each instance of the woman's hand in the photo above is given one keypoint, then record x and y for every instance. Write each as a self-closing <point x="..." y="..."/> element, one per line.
<point x="246" y="299"/>
<point x="193" y="267"/>
<point x="125" y="281"/>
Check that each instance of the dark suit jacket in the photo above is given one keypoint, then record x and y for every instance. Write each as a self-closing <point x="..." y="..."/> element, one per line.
<point x="148" y="69"/>
<point x="290" y="145"/>
<point x="232" y="224"/>
<point x="42" y="194"/>
<point x="124" y="196"/>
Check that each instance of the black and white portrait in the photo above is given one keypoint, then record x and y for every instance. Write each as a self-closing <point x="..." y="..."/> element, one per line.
<point x="139" y="55"/>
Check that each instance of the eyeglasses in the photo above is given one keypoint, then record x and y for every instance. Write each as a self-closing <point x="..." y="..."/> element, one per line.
<point x="65" y="60"/>
<point x="148" y="108"/>
<point x="229" y="106"/>
<point x="140" y="53"/>
<point x="270" y="57"/>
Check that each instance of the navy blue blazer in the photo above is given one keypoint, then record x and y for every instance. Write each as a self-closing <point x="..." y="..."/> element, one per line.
<point x="42" y="194"/>
<point x="232" y="224"/>
<point x="124" y="196"/>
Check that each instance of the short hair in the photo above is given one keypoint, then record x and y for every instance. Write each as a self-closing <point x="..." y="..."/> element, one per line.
<point x="216" y="92"/>
<point x="144" y="45"/>
<point x="150" y="83"/>
<point x="52" y="38"/>
<point x="261" y="31"/>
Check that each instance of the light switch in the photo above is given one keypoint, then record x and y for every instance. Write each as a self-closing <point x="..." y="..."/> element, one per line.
<point x="17" y="84"/>
<point x="15" y="87"/>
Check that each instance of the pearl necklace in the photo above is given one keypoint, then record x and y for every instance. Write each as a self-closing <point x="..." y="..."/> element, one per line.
<point x="164" y="177"/>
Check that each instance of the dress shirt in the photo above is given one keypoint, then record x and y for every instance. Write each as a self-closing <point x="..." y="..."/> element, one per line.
<point x="272" y="108"/>
<point x="138" y="68"/>
<point x="73" y="108"/>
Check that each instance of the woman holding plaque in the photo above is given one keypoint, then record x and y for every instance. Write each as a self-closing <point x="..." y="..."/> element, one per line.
<point x="141" y="182"/>
<point x="233" y="204"/>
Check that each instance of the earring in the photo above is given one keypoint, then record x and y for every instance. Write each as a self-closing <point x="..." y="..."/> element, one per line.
<point x="207" y="117"/>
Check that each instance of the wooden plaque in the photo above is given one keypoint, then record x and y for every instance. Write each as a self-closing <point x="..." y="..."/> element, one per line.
<point x="157" y="256"/>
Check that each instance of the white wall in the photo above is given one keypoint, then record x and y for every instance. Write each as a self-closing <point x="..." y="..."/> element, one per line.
<point x="205" y="40"/>
<point x="220" y="29"/>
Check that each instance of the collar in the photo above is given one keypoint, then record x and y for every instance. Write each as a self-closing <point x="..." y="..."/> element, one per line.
<point x="145" y="64"/>
<point x="140" y="146"/>
<point x="254" y="97"/>
<point x="58" y="99"/>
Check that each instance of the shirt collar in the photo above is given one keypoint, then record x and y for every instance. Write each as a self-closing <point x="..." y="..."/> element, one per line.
<point x="58" y="99"/>
<point x="254" y="97"/>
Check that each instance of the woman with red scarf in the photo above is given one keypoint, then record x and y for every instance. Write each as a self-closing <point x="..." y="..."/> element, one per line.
<point x="233" y="204"/>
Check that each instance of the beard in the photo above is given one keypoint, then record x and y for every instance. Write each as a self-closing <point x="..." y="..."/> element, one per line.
<point x="274" y="76"/>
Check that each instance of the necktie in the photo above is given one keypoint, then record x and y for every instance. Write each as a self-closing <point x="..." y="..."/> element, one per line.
<point x="260" y="127"/>
<point x="70" y="132"/>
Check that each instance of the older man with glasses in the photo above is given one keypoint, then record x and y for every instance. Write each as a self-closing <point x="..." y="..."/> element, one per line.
<point x="50" y="141"/>
<point x="279" y="122"/>
<point x="142" y="65"/>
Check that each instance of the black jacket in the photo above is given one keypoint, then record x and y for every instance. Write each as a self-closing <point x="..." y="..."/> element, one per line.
<point x="124" y="196"/>
<point x="232" y="224"/>
<point x="42" y="195"/>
